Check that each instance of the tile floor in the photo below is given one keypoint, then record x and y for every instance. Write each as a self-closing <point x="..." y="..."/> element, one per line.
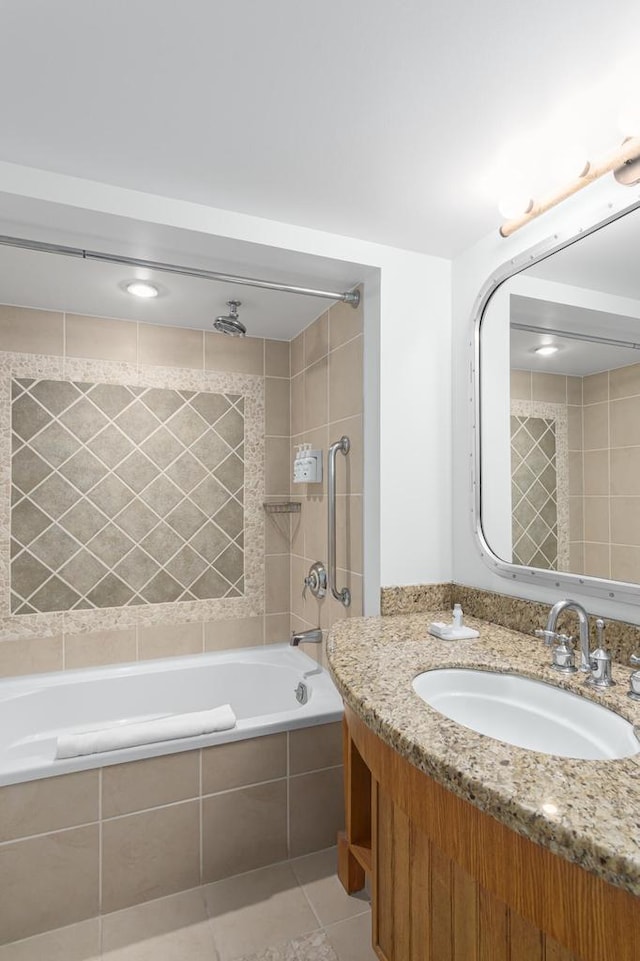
<point x="293" y="911"/>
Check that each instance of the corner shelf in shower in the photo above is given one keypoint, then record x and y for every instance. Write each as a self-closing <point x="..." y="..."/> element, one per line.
<point x="283" y="507"/>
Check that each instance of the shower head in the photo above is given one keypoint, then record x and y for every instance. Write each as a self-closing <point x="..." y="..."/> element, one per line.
<point x="230" y="323"/>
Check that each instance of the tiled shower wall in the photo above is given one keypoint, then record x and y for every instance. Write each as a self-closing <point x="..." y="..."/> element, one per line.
<point x="604" y="465"/>
<point x="327" y="402"/>
<point x="170" y="358"/>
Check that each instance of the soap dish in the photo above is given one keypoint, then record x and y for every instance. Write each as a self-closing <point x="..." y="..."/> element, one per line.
<point x="447" y="632"/>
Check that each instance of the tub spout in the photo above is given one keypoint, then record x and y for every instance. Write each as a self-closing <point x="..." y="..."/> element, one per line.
<point x="314" y="636"/>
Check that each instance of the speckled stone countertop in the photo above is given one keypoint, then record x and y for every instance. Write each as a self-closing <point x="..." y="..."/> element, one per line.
<point x="597" y="825"/>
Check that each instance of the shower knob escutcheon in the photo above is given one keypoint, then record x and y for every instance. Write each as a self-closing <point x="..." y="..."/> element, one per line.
<point x="316" y="580"/>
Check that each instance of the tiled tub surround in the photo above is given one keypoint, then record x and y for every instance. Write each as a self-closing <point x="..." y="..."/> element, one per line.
<point x="374" y="661"/>
<point x="79" y="845"/>
<point x="517" y="613"/>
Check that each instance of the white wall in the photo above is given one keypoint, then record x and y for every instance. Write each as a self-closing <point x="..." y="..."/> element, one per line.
<point x="408" y="333"/>
<point x="471" y="271"/>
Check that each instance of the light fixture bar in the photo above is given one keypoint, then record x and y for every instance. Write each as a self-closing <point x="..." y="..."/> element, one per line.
<point x="349" y="297"/>
<point x="574" y="335"/>
<point x="629" y="151"/>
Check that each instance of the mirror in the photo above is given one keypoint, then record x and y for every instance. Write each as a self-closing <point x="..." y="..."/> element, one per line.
<point x="559" y="402"/>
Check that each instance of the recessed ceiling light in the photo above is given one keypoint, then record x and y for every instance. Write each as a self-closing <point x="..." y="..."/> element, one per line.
<point x="546" y="350"/>
<point x="141" y="289"/>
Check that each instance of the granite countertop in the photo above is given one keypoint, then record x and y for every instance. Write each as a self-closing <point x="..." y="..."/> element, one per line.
<point x="597" y="824"/>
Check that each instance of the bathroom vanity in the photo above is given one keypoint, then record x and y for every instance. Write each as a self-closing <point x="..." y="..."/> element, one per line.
<point x="478" y="850"/>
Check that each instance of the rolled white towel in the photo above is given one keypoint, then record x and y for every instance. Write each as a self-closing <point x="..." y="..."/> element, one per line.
<point x="147" y="732"/>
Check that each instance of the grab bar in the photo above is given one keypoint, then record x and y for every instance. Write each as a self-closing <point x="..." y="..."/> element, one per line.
<point x="343" y="445"/>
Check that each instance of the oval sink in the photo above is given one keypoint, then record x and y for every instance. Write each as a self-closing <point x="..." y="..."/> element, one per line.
<point x="527" y="713"/>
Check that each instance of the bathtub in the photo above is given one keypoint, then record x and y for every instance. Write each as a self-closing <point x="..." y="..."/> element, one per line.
<point x="260" y="684"/>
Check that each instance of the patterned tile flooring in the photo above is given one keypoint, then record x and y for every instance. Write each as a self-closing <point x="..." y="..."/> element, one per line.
<point x="293" y="911"/>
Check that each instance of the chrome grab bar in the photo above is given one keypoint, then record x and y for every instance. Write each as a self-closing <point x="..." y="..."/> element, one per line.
<point x="343" y="445"/>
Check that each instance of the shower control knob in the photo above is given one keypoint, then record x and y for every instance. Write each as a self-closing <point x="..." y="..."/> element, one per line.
<point x="316" y="580"/>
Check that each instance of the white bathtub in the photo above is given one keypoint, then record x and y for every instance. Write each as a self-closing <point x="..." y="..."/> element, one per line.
<point x="259" y="683"/>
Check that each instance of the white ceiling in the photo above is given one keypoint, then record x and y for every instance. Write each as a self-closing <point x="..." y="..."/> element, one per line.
<point x="34" y="279"/>
<point x="366" y="118"/>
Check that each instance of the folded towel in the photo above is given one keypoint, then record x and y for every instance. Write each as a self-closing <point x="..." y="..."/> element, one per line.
<point x="147" y="732"/>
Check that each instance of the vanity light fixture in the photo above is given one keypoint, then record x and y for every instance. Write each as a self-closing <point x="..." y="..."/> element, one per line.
<point x="546" y="350"/>
<point x="140" y="288"/>
<point x="623" y="162"/>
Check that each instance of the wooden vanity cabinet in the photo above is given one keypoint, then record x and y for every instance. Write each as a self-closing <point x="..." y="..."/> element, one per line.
<point x="450" y="883"/>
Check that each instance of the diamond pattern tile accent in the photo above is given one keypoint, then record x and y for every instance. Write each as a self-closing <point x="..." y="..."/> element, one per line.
<point x="534" y="492"/>
<point x="121" y="483"/>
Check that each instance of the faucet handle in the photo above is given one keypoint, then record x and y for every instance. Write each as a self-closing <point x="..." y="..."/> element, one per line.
<point x="549" y="637"/>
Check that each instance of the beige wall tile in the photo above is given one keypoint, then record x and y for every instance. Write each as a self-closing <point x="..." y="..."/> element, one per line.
<point x="345" y="381"/>
<point x="596" y="519"/>
<point x="520" y="385"/>
<point x="625" y="563"/>
<point x="277" y="470"/>
<point x="244" y="829"/>
<point x="596" y="472"/>
<point x="47" y="882"/>
<point x="242" y="354"/>
<point x="272" y="907"/>
<point x="276" y="627"/>
<point x="75" y="942"/>
<point x="170" y="346"/>
<point x="315" y="528"/>
<point x="297" y="404"/>
<point x="99" y="647"/>
<point x="312" y="748"/>
<point x="576" y="518"/>
<point x="625" y="470"/>
<point x="349" y="533"/>
<point x="276" y="358"/>
<point x="102" y="338"/>
<point x="298" y="522"/>
<point x="31" y="331"/>
<point x="150" y="782"/>
<point x="30" y="655"/>
<point x="551" y="388"/>
<point x="574" y="417"/>
<point x="316" y="340"/>
<point x="299" y="569"/>
<point x="345" y="323"/>
<point x="625" y="520"/>
<point x="625" y="422"/>
<point x="574" y="390"/>
<point x="277" y="584"/>
<point x="242" y="763"/>
<point x="297" y="354"/>
<point x="234" y="632"/>
<point x="576" y="558"/>
<point x="277" y="410"/>
<point x="596" y="427"/>
<point x="149" y="855"/>
<point x="317" y="810"/>
<point x="624" y="382"/>
<point x="576" y="472"/>
<point x="596" y="560"/>
<point x="170" y="640"/>
<point x="595" y="388"/>
<point x="316" y="383"/>
<point x="49" y="804"/>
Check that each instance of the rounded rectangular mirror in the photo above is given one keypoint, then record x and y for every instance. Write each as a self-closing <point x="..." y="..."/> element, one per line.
<point x="559" y="405"/>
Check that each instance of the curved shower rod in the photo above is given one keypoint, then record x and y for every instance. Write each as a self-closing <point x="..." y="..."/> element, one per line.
<point x="349" y="297"/>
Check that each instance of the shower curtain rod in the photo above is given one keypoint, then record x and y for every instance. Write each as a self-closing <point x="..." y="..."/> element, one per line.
<point x="574" y="335"/>
<point x="350" y="297"/>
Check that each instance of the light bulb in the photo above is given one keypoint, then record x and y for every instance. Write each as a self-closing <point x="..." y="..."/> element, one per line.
<point x="546" y="350"/>
<point x="515" y="203"/>
<point x="139" y="288"/>
<point x="569" y="161"/>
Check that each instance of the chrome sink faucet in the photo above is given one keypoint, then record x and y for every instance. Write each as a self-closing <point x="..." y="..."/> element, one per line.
<point x="596" y="665"/>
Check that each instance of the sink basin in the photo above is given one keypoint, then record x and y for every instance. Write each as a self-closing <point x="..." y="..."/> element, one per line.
<point x="527" y="713"/>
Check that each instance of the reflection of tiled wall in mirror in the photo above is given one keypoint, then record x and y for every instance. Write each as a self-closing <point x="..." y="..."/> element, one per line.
<point x="604" y="465"/>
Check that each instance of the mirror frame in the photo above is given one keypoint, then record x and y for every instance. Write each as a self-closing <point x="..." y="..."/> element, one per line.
<point x="597" y="586"/>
